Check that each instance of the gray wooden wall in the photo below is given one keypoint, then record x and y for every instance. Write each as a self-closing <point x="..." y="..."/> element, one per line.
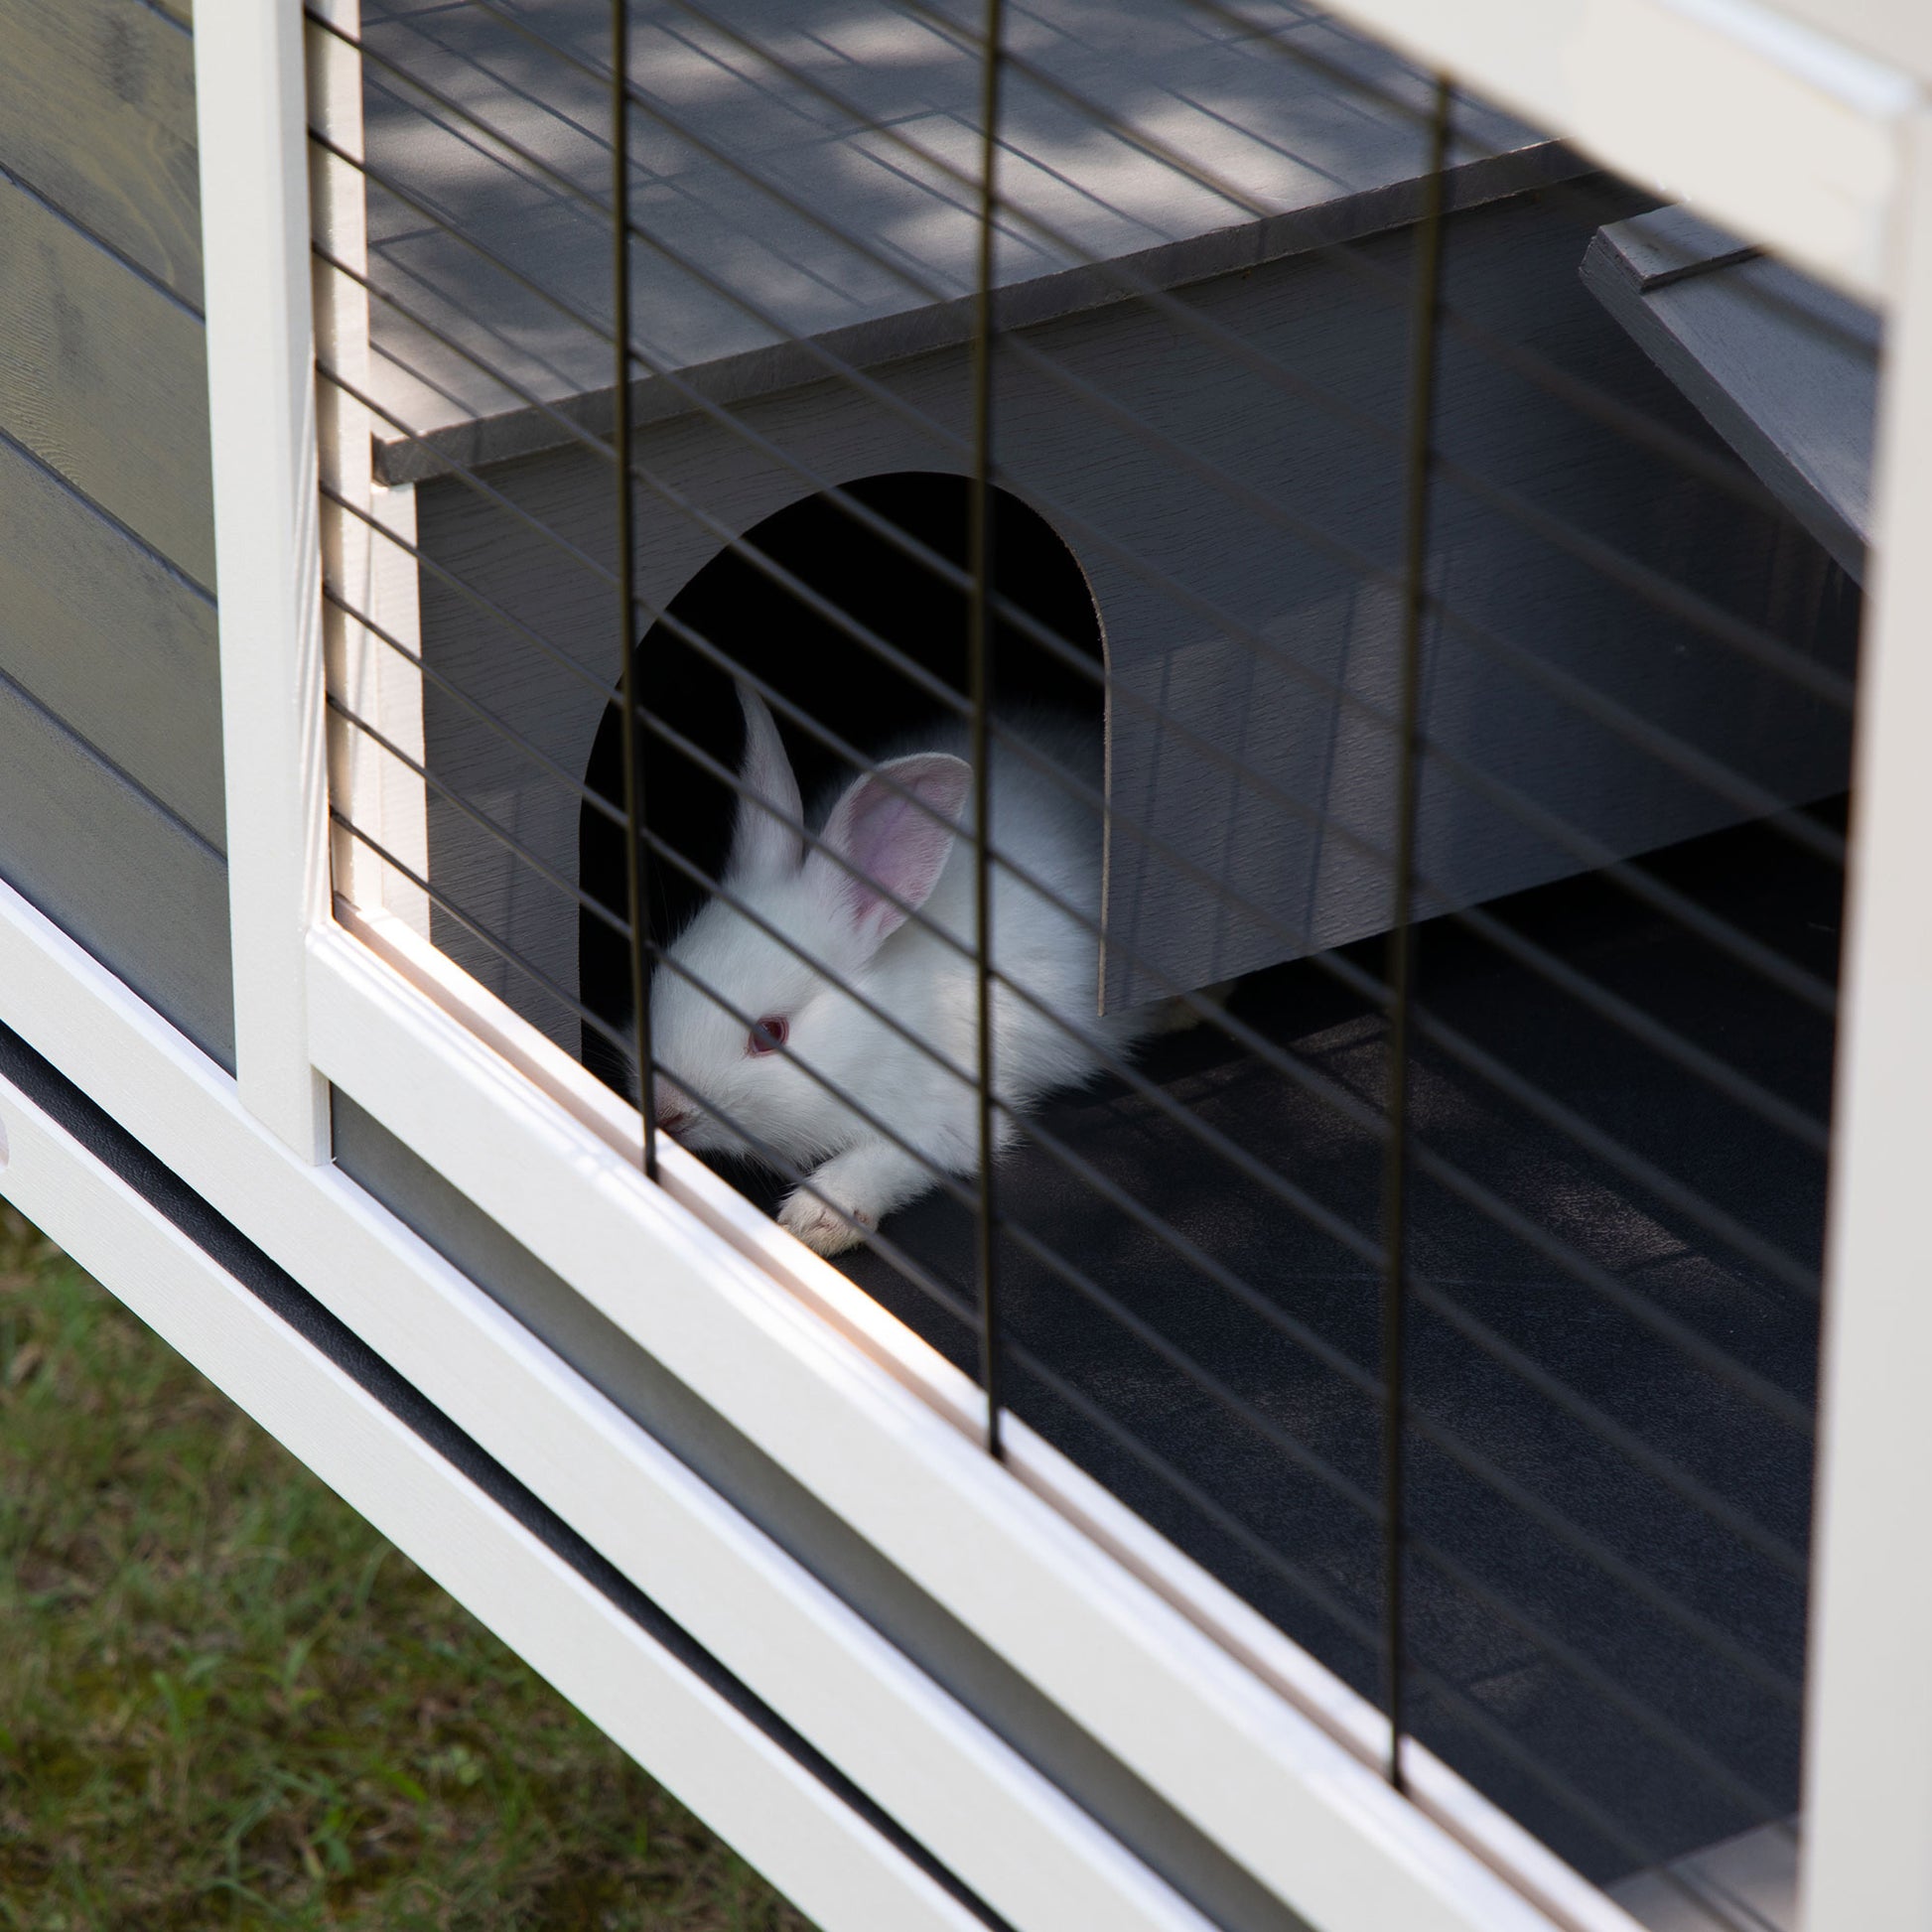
<point x="110" y="749"/>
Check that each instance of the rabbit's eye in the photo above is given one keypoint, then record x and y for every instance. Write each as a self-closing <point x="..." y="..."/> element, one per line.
<point x="768" y="1035"/>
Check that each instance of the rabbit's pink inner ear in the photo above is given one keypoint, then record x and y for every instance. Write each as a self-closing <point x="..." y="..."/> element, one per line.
<point x="896" y="847"/>
<point x="764" y="832"/>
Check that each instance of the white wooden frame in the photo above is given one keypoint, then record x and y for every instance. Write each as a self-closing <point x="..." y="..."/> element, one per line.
<point x="813" y="1845"/>
<point x="1774" y="126"/>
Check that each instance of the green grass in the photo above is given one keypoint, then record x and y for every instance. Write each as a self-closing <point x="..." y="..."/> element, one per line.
<point x="224" y="1700"/>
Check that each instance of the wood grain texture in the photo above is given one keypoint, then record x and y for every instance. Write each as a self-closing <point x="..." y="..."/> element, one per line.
<point x="127" y="878"/>
<point x="1289" y="803"/>
<point x="98" y="114"/>
<point x="1784" y="369"/>
<point x="776" y="202"/>
<point x="105" y="379"/>
<point x="111" y="640"/>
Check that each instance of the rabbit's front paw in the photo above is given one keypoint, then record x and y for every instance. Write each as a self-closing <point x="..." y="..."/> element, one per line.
<point x="823" y="1228"/>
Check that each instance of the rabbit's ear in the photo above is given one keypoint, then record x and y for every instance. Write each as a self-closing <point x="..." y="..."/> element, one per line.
<point x="894" y="845"/>
<point x="765" y="840"/>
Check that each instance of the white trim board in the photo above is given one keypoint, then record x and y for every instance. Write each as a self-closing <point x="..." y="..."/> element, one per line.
<point x="1341" y="1846"/>
<point x="980" y="1808"/>
<point x="1317" y="1825"/>
<point x="1769" y="126"/>
<point x="252" y="127"/>
<point x="782" y="1818"/>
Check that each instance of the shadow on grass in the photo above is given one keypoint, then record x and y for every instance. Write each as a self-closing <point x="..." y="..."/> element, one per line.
<point x="224" y="1699"/>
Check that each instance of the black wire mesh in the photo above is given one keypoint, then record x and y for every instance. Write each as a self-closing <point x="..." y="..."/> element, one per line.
<point x="1133" y="514"/>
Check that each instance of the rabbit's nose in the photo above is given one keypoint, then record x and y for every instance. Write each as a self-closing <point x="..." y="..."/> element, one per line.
<point x="672" y="1116"/>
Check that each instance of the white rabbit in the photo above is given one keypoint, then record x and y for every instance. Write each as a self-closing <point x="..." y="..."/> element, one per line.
<point x="838" y="932"/>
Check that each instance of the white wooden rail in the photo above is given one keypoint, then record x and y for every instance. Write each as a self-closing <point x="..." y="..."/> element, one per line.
<point x="251" y="116"/>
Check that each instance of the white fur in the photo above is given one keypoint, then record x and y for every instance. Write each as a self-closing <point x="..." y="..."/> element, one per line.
<point x="833" y="931"/>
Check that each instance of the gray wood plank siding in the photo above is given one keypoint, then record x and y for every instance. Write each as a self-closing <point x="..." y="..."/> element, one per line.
<point x="116" y="870"/>
<point x="1164" y="550"/>
<point x="801" y="1525"/>
<point x="1783" y="368"/>
<point x="112" y="639"/>
<point x="102" y="376"/>
<point x="97" y="101"/>
<point x="776" y="204"/>
<point x="111" y="808"/>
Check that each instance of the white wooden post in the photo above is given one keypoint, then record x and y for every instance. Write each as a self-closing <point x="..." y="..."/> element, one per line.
<point x="1868" y="1777"/>
<point x="251" y="118"/>
<point x="374" y="579"/>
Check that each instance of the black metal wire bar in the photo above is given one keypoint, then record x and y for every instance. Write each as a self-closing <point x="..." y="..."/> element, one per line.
<point x="1634" y="1167"/>
<point x="471" y="480"/>
<point x="503" y="951"/>
<point x="1644" y="1852"/>
<point x="1401" y="970"/>
<point x="1618" y="1569"/>
<point x="1685" y="1486"/>
<point x="980" y="673"/>
<point x="478" y="710"/>
<point x="573" y="430"/>
<point x="1561" y="1651"/>
<point x="1299" y="53"/>
<point x="1589" y="1272"/>
<point x="1665" y="1040"/>
<point x="480" y="818"/>
<point x="1426" y="1294"/>
<point x="1506" y="796"/>
<point x="1217" y="1513"/>
<point x="1597" y="1278"/>
<point x="636" y="883"/>
<point x="1763" y="647"/>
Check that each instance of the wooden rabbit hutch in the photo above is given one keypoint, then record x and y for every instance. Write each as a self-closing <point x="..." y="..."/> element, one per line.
<point x="1230" y="611"/>
<point x="1351" y="1465"/>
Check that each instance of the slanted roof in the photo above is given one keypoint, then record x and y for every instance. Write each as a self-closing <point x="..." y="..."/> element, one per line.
<point x="804" y="168"/>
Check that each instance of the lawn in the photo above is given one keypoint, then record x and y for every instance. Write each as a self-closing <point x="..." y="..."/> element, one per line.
<point x="225" y="1700"/>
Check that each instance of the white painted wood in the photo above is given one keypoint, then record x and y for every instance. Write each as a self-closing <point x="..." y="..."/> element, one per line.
<point x="1299" y="1809"/>
<point x="1896" y="31"/>
<point x="934" y="1766"/>
<point x="1775" y="128"/>
<point x="812" y="1845"/>
<point x="1868" y="1762"/>
<point x="1749" y="1881"/>
<point x="248" y="74"/>
<point x="374" y="579"/>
